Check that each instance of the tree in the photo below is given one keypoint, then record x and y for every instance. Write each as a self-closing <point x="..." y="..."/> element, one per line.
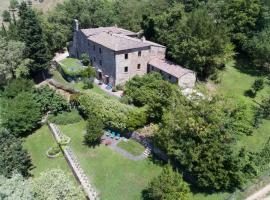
<point x="13" y="63"/>
<point x="243" y="17"/>
<point x="169" y="185"/>
<point x="88" y="76"/>
<point x="199" y="136"/>
<point x="49" y="100"/>
<point x="258" y="85"/>
<point x="149" y="90"/>
<point x="30" y="32"/>
<point x="94" y="130"/>
<point x="13" y="158"/>
<point x="85" y="59"/>
<point x="55" y="184"/>
<point x="17" y="86"/>
<point x="16" y="187"/>
<point x="258" y="49"/>
<point x="195" y="40"/>
<point x="21" y="114"/>
<point x="13" y="4"/>
<point x="6" y="16"/>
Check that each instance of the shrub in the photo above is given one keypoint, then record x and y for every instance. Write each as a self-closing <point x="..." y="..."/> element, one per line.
<point x="258" y="85"/>
<point x="12" y="155"/>
<point x="94" y="130"/>
<point x="65" y="118"/>
<point x="18" y="85"/>
<point x="50" y="100"/>
<point x="53" y="151"/>
<point x="85" y="59"/>
<point x="21" y="114"/>
<point x="113" y="113"/>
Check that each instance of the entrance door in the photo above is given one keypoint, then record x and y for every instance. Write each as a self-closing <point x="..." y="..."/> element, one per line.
<point x="100" y="76"/>
<point x="107" y="80"/>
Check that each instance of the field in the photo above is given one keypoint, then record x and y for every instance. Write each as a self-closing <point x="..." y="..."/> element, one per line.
<point x="44" y="6"/>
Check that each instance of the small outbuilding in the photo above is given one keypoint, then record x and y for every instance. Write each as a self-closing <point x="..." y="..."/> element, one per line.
<point x="184" y="77"/>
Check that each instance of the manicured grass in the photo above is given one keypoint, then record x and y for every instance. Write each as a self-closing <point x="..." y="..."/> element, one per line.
<point x="132" y="147"/>
<point x="116" y="177"/>
<point x="71" y="66"/>
<point x="37" y="144"/>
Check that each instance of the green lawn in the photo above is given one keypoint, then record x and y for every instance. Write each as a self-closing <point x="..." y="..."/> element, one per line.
<point x="37" y="144"/>
<point x="132" y="147"/>
<point x="234" y="83"/>
<point x="71" y="67"/>
<point x="116" y="177"/>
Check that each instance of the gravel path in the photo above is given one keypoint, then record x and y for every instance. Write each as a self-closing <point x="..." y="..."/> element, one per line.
<point x="260" y="195"/>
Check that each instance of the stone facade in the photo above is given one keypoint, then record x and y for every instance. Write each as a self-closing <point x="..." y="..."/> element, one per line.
<point x="118" y="55"/>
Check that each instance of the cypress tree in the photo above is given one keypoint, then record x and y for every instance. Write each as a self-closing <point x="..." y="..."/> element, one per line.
<point x="30" y="32"/>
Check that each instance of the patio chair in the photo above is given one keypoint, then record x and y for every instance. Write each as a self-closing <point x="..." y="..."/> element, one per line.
<point x="118" y="136"/>
<point x="112" y="135"/>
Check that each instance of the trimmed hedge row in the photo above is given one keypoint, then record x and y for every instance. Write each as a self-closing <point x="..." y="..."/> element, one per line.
<point x="114" y="114"/>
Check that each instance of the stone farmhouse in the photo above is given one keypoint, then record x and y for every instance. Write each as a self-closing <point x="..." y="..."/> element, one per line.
<point x="118" y="55"/>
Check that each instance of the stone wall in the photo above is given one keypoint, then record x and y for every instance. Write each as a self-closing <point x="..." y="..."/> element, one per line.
<point x="132" y="63"/>
<point x="188" y="80"/>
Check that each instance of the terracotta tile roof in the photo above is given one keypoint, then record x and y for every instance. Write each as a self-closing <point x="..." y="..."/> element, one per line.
<point x="169" y="67"/>
<point x="112" y="29"/>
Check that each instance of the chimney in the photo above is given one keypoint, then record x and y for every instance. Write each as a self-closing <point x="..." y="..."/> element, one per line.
<point x="143" y="39"/>
<point x="75" y="25"/>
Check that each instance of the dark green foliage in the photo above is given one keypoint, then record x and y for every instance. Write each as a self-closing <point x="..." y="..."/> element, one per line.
<point x="150" y="90"/>
<point x="88" y="76"/>
<point x="137" y="118"/>
<point x="13" y="4"/>
<point x="17" y="86"/>
<point x="65" y="118"/>
<point x="6" y="16"/>
<point x="194" y="40"/>
<point x="13" y="158"/>
<point x="94" y="130"/>
<point x="258" y="49"/>
<point x="49" y="100"/>
<point x="262" y="112"/>
<point x="21" y="114"/>
<point x="115" y="115"/>
<point x="200" y="135"/>
<point x="243" y="25"/>
<point x="30" y="32"/>
<point x="263" y="157"/>
<point x="258" y="85"/>
<point x="169" y="185"/>
<point x="85" y="59"/>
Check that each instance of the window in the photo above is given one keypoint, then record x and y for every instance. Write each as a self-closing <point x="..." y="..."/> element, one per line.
<point x="94" y="59"/>
<point x="170" y="77"/>
<point x="126" y="56"/>
<point x="91" y="62"/>
<point x="100" y="51"/>
<point x="126" y="69"/>
<point x="153" y="68"/>
<point x="139" y="53"/>
<point x="94" y="47"/>
<point x="139" y="66"/>
<point x="100" y="62"/>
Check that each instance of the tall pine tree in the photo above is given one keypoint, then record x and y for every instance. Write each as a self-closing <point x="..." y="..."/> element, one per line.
<point x="30" y="32"/>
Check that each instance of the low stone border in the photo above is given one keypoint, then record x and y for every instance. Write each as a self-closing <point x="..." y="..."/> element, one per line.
<point x="52" y="156"/>
<point x="72" y="161"/>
